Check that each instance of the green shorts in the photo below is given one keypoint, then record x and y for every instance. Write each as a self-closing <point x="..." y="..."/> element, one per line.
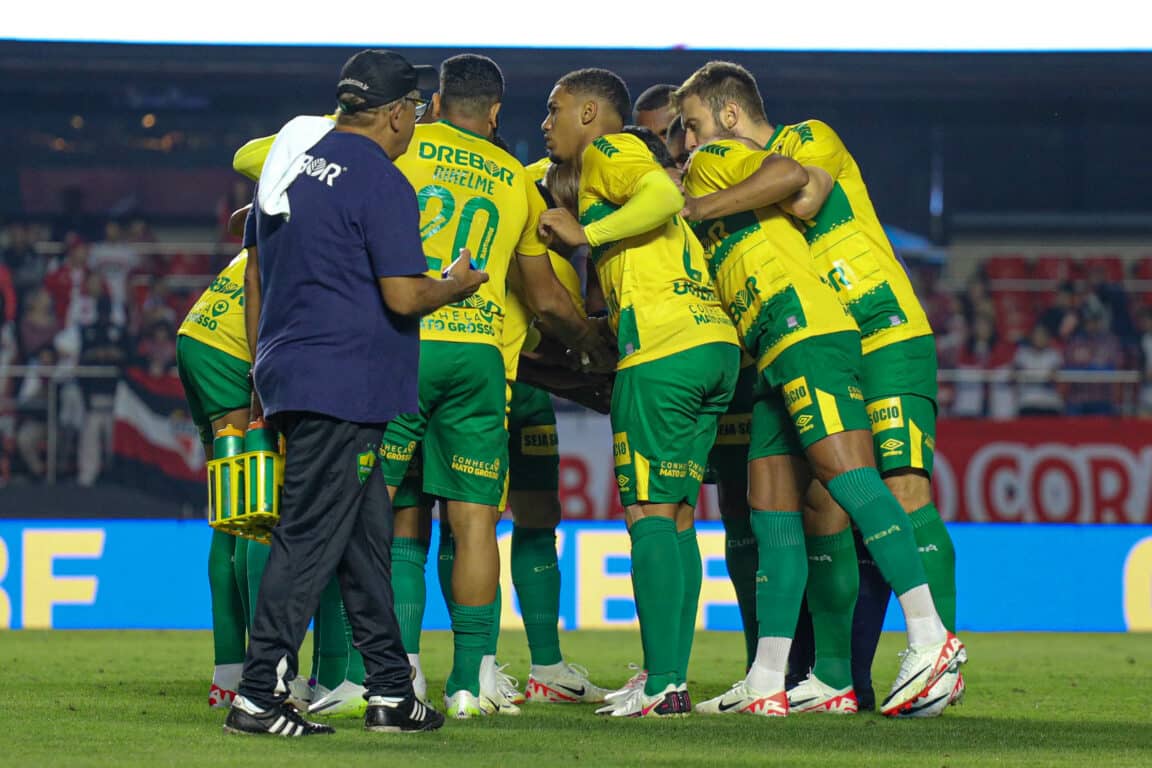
<point x="411" y="490"/>
<point x="215" y="383"/>
<point x="899" y="383"/>
<point x="533" y="446"/>
<point x="460" y="424"/>
<point x="904" y="368"/>
<point x="903" y="432"/>
<point x="664" y="418"/>
<point x="728" y="461"/>
<point x="811" y="390"/>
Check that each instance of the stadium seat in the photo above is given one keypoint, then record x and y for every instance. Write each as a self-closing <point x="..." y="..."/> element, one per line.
<point x="1006" y="267"/>
<point x="1112" y="266"/>
<point x="1015" y="314"/>
<point x="1142" y="270"/>
<point x="1056" y="266"/>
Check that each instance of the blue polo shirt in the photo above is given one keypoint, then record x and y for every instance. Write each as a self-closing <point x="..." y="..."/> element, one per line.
<point x="327" y="343"/>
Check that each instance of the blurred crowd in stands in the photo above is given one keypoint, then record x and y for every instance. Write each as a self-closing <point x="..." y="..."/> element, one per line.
<point x="80" y="306"/>
<point x="1044" y="335"/>
<point x="1022" y="335"/>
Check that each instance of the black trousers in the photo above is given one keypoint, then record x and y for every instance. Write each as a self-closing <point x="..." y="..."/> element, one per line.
<point x="335" y="517"/>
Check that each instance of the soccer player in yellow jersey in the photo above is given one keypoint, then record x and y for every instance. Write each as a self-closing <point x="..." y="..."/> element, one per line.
<point x="678" y="357"/>
<point x="820" y="391"/>
<point x="473" y="195"/>
<point x="533" y="495"/>
<point x="213" y="362"/>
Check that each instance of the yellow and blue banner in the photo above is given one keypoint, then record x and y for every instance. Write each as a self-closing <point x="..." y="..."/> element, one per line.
<point x="121" y="574"/>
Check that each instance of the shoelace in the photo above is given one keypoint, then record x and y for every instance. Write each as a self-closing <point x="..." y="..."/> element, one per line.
<point x="640" y="676"/>
<point x="576" y="669"/>
<point x="507" y="685"/>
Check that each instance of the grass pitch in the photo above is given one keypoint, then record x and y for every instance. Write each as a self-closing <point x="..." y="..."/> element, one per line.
<point x="139" y="698"/>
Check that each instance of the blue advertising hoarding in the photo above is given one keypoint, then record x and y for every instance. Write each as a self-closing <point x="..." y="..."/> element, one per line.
<point x="117" y="574"/>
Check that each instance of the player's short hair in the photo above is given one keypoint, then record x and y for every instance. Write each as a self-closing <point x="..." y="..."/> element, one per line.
<point x="603" y="85"/>
<point x="655" y="97"/>
<point x="470" y="84"/>
<point x="719" y="82"/>
<point x="654" y="143"/>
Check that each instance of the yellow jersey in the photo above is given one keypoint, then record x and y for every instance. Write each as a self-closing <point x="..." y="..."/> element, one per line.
<point x="518" y="331"/>
<point x="217" y="317"/>
<point x="660" y="298"/>
<point x="539" y="169"/>
<point x="848" y="242"/>
<point x="760" y="261"/>
<point x="472" y="194"/>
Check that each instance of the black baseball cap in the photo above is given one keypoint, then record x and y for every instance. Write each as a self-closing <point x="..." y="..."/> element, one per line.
<point x="380" y="77"/>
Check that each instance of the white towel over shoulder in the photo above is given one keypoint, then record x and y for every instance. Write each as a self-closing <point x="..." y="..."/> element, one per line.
<point x="284" y="161"/>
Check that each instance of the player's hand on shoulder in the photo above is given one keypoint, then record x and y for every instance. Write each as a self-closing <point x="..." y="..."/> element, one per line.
<point x="559" y="223"/>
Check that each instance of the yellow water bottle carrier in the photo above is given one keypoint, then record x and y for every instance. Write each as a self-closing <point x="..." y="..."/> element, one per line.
<point x="244" y="481"/>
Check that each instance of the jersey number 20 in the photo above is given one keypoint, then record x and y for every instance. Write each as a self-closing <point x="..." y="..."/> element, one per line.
<point x="468" y="212"/>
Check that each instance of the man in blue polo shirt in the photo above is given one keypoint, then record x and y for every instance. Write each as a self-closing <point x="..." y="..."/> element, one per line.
<point x="337" y="283"/>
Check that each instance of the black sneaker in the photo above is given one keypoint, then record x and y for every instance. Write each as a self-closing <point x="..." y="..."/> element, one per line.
<point x="284" y="720"/>
<point x="406" y="716"/>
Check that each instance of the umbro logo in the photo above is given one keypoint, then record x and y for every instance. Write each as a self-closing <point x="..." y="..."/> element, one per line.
<point x="804" y="420"/>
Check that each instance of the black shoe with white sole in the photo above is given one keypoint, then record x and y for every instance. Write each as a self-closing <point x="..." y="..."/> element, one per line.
<point x="408" y="715"/>
<point x="284" y="720"/>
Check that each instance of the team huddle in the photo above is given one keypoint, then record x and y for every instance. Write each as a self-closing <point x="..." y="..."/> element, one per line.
<point x="723" y="289"/>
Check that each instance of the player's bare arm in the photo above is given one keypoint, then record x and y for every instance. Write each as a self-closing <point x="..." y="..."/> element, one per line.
<point x="778" y="179"/>
<point x="806" y="203"/>
<point x="419" y="294"/>
<point x="557" y="314"/>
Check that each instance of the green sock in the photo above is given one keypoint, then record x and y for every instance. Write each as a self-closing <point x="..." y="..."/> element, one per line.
<point x="240" y="572"/>
<point x="227" y="606"/>
<point x="883" y="524"/>
<point x="536" y="576"/>
<point x="833" y="582"/>
<point x="693" y="577"/>
<point x="740" y="555"/>
<point x="939" y="558"/>
<point x="782" y="573"/>
<point x="494" y="630"/>
<point x="471" y="631"/>
<point x="445" y="562"/>
<point x="355" y="672"/>
<point x="410" y="593"/>
<point x="257" y="559"/>
<point x="329" y="637"/>
<point x="658" y="579"/>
